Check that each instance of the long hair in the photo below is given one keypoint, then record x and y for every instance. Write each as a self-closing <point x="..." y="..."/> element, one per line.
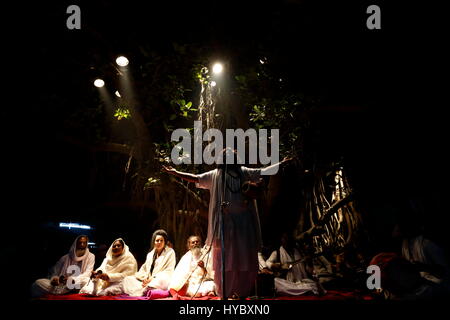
<point x="159" y="232"/>
<point x="227" y="156"/>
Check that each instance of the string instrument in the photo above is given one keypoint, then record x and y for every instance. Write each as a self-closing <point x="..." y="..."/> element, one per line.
<point x="286" y="267"/>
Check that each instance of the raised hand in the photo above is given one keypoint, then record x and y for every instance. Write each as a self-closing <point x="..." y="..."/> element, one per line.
<point x="168" y="169"/>
<point x="146" y="281"/>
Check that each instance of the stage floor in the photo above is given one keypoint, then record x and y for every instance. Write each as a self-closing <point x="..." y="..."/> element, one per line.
<point x="330" y="295"/>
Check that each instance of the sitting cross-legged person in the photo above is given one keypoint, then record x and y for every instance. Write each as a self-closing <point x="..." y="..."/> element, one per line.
<point x="157" y="270"/>
<point x="194" y="275"/>
<point x="107" y="279"/>
<point x="64" y="278"/>
<point x="294" y="272"/>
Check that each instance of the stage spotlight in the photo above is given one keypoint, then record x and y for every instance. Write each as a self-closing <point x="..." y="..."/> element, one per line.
<point x="213" y="83"/>
<point x="217" y="68"/>
<point x="122" y="61"/>
<point x="99" y="83"/>
<point x="117" y="94"/>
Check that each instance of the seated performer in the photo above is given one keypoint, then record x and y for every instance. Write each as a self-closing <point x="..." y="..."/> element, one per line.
<point x="432" y="263"/>
<point x="194" y="275"/>
<point x="293" y="274"/>
<point x="107" y="279"/>
<point x="157" y="270"/>
<point x="63" y="279"/>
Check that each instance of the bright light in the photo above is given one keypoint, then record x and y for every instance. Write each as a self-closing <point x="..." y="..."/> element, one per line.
<point x="74" y="226"/>
<point x="117" y="94"/>
<point x="213" y="83"/>
<point x="122" y="61"/>
<point x="217" y="68"/>
<point x="99" y="83"/>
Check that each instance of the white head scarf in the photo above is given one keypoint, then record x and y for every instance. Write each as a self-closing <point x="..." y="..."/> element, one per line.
<point x="73" y="250"/>
<point x="73" y="259"/>
<point x="116" y="263"/>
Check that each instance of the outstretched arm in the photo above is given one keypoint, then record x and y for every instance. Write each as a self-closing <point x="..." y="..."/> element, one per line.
<point x="183" y="175"/>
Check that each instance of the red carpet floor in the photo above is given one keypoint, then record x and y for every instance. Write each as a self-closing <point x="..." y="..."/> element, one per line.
<point x="331" y="295"/>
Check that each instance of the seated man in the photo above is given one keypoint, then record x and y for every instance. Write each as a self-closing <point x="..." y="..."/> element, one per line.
<point x="194" y="275"/>
<point x="63" y="279"/>
<point x="107" y="279"/>
<point x="430" y="260"/>
<point x="293" y="274"/>
<point x="157" y="270"/>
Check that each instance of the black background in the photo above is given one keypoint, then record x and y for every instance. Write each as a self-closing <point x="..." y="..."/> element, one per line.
<point x="399" y="73"/>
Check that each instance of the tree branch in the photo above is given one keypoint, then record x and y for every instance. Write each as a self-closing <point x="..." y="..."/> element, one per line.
<point x="192" y="193"/>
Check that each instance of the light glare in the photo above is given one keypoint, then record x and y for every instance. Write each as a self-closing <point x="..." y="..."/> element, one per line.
<point x="99" y="83"/>
<point x="117" y="94"/>
<point x="74" y="226"/>
<point x="213" y="83"/>
<point x="122" y="61"/>
<point x="217" y="68"/>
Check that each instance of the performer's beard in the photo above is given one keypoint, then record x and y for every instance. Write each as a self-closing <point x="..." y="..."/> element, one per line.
<point x="80" y="252"/>
<point x="196" y="252"/>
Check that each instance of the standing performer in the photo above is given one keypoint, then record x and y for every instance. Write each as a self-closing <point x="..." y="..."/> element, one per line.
<point x="242" y="233"/>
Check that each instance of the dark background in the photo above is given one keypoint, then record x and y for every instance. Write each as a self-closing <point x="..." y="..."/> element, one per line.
<point x="386" y="87"/>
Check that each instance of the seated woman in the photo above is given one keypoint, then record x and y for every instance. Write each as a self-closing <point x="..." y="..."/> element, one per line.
<point x="107" y="279"/>
<point x="62" y="280"/>
<point x="157" y="270"/>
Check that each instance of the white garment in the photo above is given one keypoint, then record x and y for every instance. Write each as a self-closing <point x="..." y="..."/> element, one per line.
<point x="323" y="269"/>
<point x="242" y="229"/>
<point x="85" y="263"/>
<point x="261" y="261"/>
<point x="161" y="275"/>
<point x="117" y="268"/>
<point x="424" y="251"/>
<point x="188" y="270"/>
<point x="297" y="281"/>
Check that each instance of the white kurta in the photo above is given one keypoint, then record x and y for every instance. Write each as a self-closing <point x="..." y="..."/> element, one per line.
<point x="85" y="264"/>
<point x="297" y="281"/>
<point x="242" y="235"/>
<point x="117" y="268"/>
<point x="161" y="275"/>
<point x="188" y="271"/>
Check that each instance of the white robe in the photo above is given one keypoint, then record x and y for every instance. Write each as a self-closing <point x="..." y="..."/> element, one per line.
<point x="161" y="275"/>
<point x="424" y="251"/>
<point x="85" y="264"/>
<point x="242" y="235"/>
<point x="297" y="281"/>
<point x="188" y="270"/>
<point x="117" y="268"/>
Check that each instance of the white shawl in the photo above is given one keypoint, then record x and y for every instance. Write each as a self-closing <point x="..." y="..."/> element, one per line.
<point x="297" y="272"/>
<point x="187" y="269"/>
<point x="119" y="267"/>
<point x="87" y="262"/>
<point x="164" y="265"/>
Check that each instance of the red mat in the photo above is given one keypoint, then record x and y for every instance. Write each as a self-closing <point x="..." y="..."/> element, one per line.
<point x="331" y="295"/>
